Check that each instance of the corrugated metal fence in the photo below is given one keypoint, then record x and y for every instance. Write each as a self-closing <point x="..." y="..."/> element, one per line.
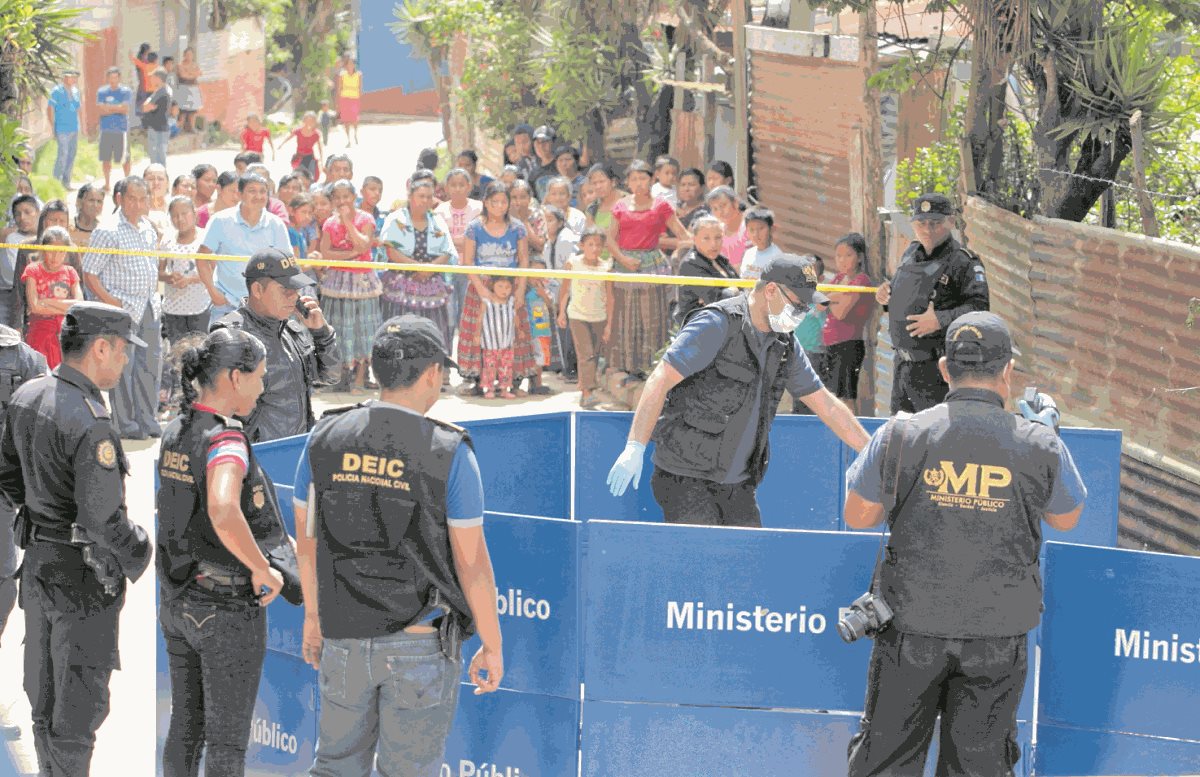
<point x="1099" y="316"/>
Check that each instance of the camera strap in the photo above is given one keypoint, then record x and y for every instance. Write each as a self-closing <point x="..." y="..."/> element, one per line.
<point x="896" y="433"/>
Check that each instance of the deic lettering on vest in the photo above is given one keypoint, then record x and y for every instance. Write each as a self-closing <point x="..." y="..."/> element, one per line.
<point x="694" y="616"/>
<point x="516" y="603"/>
<point x="272" y="735"/>
<point x="365" y="469"/>
<point x="470" y="769"/>
<point x="174" y="465"/>
<point x="1134" y="643"/>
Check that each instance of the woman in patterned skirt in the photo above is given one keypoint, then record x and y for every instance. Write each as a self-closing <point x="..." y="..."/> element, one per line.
<point x="642" y="317"/>
<point x="495" y="239"/>
<point x="350" y="296"/>
<point x="415" y="234"/>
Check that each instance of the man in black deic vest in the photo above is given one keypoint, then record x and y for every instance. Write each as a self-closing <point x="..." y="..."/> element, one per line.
<point x="62" y="467"/>
<point x="711" y="400"/>
<point x="389" y="518"/>
<point x="961" y="574"/>
<point x="938" y="280"/>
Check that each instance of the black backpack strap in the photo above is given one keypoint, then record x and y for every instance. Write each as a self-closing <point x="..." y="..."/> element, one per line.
<point x="895" y="433"/>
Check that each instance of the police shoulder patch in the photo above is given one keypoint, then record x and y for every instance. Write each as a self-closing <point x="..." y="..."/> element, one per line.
<point x="448" y="425"/>
<point x="97" y="407"/>
<point x="232" y="423"/>
<point x="259" y="498"/>
<point x="106" y="454"/>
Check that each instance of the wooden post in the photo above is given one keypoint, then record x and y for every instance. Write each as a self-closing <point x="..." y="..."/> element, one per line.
<point x="1145" y="205"/>
<point x="741" y="99"/>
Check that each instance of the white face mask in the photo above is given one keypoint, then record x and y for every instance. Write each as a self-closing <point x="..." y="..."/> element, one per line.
<point x="786" y="320"/>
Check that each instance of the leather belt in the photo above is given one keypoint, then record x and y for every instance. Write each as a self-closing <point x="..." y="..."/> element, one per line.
<point x="46" y="534"/>
<point x="213" y="578"/>
<point x="917" y="356"/>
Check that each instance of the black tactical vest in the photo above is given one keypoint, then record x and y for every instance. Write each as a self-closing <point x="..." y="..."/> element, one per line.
<point x="704" y="415"/>
<point x="962" y="559"/>
<point x="185" y="532"/>
<point x="913" y="288"/>
<point x="379" y="478"/>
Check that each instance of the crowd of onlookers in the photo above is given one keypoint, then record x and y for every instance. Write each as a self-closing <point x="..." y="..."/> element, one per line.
<point x="540" y="210"/>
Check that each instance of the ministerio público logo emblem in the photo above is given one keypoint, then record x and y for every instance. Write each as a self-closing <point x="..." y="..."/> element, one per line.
<point x="973" y="487"/>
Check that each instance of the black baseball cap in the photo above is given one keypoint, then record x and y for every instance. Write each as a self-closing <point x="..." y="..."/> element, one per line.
<point x="798" y="274"/>
<point x="932" y="206"/>
<point x="97" y="318"/>
<point x="278" y="266"/>
<point x="979" y="338"/>
<point x="545" y="132"/>
<point x="419" y="338"/>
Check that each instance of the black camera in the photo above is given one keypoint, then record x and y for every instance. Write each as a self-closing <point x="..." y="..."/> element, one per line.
<point x="868" y="615"/>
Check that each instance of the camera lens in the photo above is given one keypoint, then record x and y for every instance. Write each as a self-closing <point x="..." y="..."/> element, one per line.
<point x="853" y="626"/>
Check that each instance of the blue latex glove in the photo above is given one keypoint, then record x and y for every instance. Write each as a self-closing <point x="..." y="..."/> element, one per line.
<point x="627" y="469"/>
<point x="1048" y="416"/>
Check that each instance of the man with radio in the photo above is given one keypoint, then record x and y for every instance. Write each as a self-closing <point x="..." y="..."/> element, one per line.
<point x="964" y="487"/>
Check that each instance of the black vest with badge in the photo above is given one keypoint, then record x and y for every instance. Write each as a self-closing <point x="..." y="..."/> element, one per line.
<point x="380" y="477"/>
<point x="185" y="533"/>
<point x="973" y="485"/>
<point x="913" y="287"/>
<point x="704" y="416"/>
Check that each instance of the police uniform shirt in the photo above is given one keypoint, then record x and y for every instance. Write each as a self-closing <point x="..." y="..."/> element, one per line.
<point x="697" y="345"/>
<point x="962" y="287"/>
<point x="865" y="477"/>
<point x="464" y="489"/>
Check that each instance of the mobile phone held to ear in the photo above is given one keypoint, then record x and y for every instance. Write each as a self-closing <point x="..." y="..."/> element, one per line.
<point x="301" y="308"/>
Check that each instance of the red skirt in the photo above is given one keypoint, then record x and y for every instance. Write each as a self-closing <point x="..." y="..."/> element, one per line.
<point x="42" y="336"/>
<point x="470" y="353"/>
<point x="348" y="110"/>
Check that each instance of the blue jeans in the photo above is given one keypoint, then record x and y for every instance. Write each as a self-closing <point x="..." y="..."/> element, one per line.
<point x="389" y="697"/>
<point x="156" y="145"/>
<point x="64" y="163"/>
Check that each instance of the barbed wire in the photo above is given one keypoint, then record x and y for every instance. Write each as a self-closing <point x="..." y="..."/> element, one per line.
<point x="1118" y="185"/>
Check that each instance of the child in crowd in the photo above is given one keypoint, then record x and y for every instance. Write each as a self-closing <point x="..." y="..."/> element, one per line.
<point x="810" y="338"/>
<point x="372" y="194"/>
<point x="245" y="159"/>
<point x="24" y="211"/>
<point x="509" y="174"/>
<point x="300" y="211"/>
<point x="254" y="135"/>
<point x="309" y="149"/>
<point x="666" y="171"/>
<point x="51" y="288"/>
<point x="497" y="334"/>
<point x="322" y="210"/>
<point x="562" y="241"/>
<point x="457" y="211"/>
<point x="849" y="313"/>
<point x="586" y="306"/>
<point x="539" y="303"/>
<point x="327" y="118"/>
<point x="350" y="295"/>
<point x="760" y="231"/>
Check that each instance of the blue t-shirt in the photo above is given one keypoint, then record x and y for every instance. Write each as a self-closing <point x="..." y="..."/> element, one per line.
<point x="808" y="334"/>
<point x="114" y="122"/>
<point x="299" y="244"/>
<point x="495" y="251"/>
<point x="699" y="342"/>
<point x="464" y="491"/>
<point x="865" y="477"/>
<point x="228" y="233"/>
<point x="66" y="108"/>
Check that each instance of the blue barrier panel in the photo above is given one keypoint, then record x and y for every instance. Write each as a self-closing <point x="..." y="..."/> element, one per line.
<point x="1121" y="642"/>
<point x="279" y="458"/>
<point x="801" y="490"/>
<point x="283" y="731"/>
<point x="507" y="734"/>
<point x="285" y="622"/>
<point x="1097" y="454"/>
<point x="1063" y="751"/>
<point x="537" y="581"/>
<point x="162" y="691"/>
<point x="525" y="463"/>
<point x="740" y="617"/>
<point x="622" y="739"/>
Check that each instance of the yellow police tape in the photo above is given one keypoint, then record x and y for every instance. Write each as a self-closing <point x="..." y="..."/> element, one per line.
<point x="668" y="280"/>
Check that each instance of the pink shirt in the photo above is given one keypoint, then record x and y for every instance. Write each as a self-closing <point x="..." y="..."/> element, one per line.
<point x="733" y="247"/>
<point x="640" y="230"/>
<point x="457" y="220"/>
<point x="851" y="327"/>
<point x="339" y="237"/>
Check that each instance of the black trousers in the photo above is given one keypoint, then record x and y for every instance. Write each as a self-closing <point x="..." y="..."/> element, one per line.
<point x="215" y="650"/>
<point x="703" y="502"/>
<point x="70" y="654"/>
<point x="916" y="386"/>
<point x="974" y="684"/>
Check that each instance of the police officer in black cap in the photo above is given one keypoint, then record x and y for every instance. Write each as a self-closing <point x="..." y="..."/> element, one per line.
<point x="63" y="468"/>
<point x="18" y="363"/>
<point x="389" y="513"/>
<point x="709" y="403"/>
<point x="938" y="280"/>
<point x="302" y="350"/>
<point x="964" y="487"/>
<point x="221" y="546"/>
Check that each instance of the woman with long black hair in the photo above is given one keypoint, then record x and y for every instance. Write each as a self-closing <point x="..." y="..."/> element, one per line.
<point x="221" y="549"/>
